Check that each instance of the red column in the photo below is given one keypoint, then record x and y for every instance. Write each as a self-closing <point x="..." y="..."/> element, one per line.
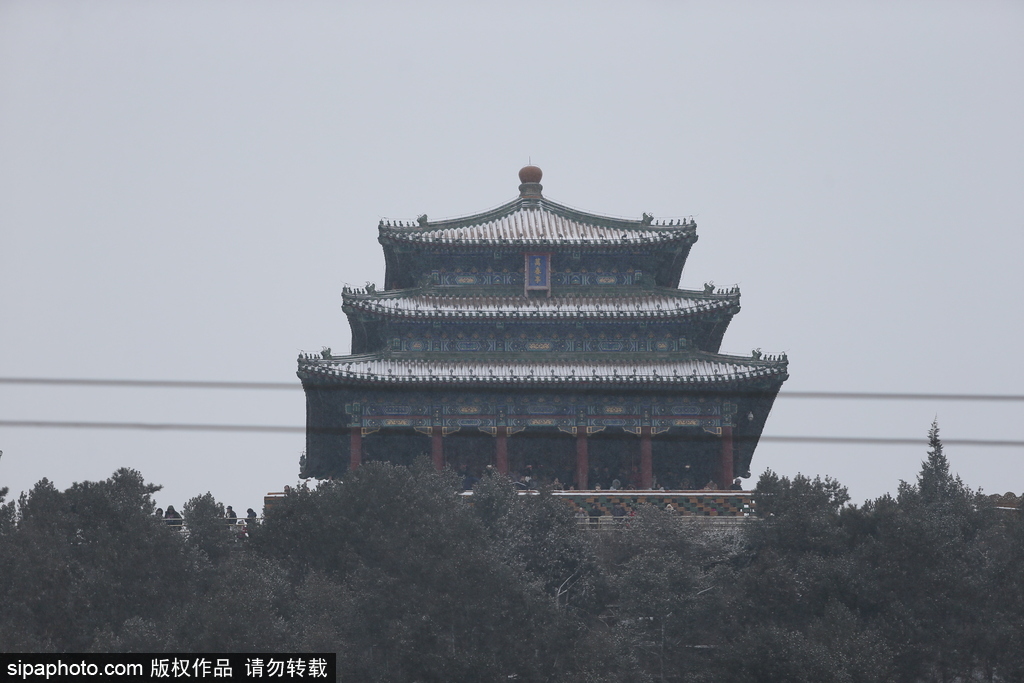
<point x="582" y="459"/>
<point x="356" y="447"/>
<point x="436" y="448"/>
<point x="646" y="466"/>
<point x="725" y="473"/>
<point x="501" y="450"/>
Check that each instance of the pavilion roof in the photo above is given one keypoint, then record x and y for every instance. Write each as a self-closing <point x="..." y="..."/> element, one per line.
<point x="539" y="221"/>
<point x="657" y="304"/>
<point x="699" y="369"/>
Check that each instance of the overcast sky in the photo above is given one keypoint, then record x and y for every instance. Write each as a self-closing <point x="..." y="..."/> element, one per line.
<point x="186" y="186"/>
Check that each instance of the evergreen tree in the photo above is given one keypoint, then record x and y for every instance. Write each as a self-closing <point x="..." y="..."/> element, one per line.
<point x="934" y="483"/>
<point x="792" y="611"/>
<point x="669" y="581"/>
<point x="1005" y="592"/>
<point x="7" y="514"/>
<point x="207" y="529"/>
<point x="423" y="591"/>
<point x="538" y="533"/>
<point x="924" y="552"/>
<point x="83" y="562"/>
<point x="406" y="580"/>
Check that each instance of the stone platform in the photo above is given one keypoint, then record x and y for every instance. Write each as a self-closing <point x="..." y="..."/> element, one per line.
<point x="735" y="504"/>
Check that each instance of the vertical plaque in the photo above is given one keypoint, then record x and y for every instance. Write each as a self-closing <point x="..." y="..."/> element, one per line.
<point x="538" y="272"/>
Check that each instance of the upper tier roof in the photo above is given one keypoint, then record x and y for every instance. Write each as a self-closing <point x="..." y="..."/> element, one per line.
<point x="658" y="304"/>
<point x="700" y="370"/>
<point x="539" y="221"/>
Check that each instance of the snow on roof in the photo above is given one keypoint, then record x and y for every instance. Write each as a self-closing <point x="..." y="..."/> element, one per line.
<point x="542" y="222"/>
<point x="568" y="306"/>
<point x="377" y="369"/>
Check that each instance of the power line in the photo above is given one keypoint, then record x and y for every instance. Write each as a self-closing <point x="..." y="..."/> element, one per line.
<point x="201" y="384"/>
<point x="893" y="396"/>
<point x="887" y="441"/>
<point x="159" y="426"/>
<point x="285" y="429"/>
<point x="148" y="383"/>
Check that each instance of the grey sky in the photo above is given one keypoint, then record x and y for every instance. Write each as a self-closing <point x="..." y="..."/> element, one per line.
<point x="185" y="187"/>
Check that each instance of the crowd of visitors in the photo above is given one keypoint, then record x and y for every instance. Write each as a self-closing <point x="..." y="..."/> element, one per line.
<point x="172" y="517"/>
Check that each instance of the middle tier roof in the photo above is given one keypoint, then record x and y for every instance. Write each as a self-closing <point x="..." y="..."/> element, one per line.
<point x="656" y="305"/>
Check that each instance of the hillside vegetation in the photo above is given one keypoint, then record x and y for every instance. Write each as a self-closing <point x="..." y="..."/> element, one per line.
<point x="408" y="582"/>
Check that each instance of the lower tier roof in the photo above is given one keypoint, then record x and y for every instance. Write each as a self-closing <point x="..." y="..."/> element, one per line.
<point x="696" y="370"/>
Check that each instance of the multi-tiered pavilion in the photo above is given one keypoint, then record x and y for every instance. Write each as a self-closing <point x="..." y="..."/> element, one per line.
<point x="538" y="338"/>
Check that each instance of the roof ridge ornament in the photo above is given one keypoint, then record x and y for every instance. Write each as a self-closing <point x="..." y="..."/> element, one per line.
<point x="530" y="187"/>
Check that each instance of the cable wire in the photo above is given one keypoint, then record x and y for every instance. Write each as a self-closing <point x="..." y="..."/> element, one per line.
<point x="148" y="383"/>
<point x="202" y="384"/>
<point x="286" y="429"/>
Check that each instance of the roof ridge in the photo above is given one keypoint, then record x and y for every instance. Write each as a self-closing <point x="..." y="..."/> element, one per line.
<point x="495" y="211"/>
<point x="522" y="220"/>
<point x="560" y="208"/>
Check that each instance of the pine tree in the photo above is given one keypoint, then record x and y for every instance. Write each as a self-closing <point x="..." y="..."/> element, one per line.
<point x="936" y="528"/>
<point x="7" y="513"/>
<point x="934" y="482"/>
